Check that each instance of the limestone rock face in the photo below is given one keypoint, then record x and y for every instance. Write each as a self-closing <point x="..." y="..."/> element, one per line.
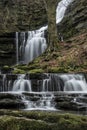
<point x="17" y="15"/>
<point x="75" y="20"/>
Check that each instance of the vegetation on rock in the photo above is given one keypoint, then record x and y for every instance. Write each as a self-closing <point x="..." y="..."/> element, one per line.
<point x="18" y="120"/>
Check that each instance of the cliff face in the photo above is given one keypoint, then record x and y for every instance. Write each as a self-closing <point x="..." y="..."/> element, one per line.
<point x="75" y="20"/>
<point x="7" y="49"/>
<point x="17" y="15"/>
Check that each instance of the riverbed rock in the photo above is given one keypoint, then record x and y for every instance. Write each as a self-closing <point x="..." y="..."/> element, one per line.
<point x="73" y="103"/>
<point x="11" y="101"/>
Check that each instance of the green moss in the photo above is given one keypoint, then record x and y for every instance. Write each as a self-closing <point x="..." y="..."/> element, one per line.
<point x="36" y="71"/>
<point x="37" y="120"/>
<point x="6" y="67"/>
<point x="33" y="66"/>
<point x="57" y="70"/>
<point x="13" y="123"/>
<point x="18" y="71"/>
<point x="23" y="67"/>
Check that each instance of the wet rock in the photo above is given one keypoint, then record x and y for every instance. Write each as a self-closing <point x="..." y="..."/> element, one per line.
<point x="38" y="76"/>
<point x="11" y="104"/>
<point x="71" y="103"/>
<point x="11" y="101"/>
<point x="7" y="50"/>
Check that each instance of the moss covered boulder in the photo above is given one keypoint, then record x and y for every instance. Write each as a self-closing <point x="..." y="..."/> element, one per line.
<point x="18" y="120"/>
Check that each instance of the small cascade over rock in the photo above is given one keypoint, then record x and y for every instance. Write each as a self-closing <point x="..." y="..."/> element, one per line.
<point x="35" y="46"/>
<point x="64" y="82"/>
<point x="22" y="84"/>
<point x="43" y="93"/>
<point x="48" y="83"/>
<point x="4" y="83"/>
<point x="74" y="82"/>
<point x="41" y="102"/>
<point x="32" y="44"/>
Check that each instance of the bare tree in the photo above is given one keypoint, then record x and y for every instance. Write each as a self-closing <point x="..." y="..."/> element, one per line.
<point x="51" y="6"/>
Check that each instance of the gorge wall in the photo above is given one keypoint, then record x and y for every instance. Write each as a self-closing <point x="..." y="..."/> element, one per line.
<point x="75" y="20"/>
<point x="17" y="15"/>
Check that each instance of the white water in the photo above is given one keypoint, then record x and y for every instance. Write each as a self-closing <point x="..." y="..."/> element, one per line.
<point x="4" y="82"/>
<point x="44" y="103"/>
<point x="22" y="84"/>
<point x="61" y="8"/>
<point x="36" y="44"/>
<point x="17" y="55"/>
<point x="44" y="100"/>
<point x="53" y="84"/>
<point x="64" y="82"/>
<point x="74" y="82"/>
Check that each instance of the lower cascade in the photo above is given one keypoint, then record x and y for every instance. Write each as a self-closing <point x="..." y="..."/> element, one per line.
<point x="39" y="94"/>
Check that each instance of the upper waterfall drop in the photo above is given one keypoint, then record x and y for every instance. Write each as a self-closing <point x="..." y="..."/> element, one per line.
<point x="61" y="8"/>
<point x="34" y="44"/>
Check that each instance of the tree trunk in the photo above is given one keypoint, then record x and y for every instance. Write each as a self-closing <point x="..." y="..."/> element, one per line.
<point x="51" y="6"/>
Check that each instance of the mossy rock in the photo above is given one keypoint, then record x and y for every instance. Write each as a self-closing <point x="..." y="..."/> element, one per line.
<point x="6" y="69"/>
<point x="36" y="120"/>
<point x="18" y="71"/>
<point x="57" y="70"/>
<point x="34" y="71"/>
<point x="23" y="67"/>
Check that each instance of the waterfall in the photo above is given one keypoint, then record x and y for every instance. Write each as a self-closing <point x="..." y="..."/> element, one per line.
<point x="5" y="84"/>
<point x="35" y="44"/>
<point x="22" y="84"/>
<point x="52" y="83"/>
<point x="22" y="46"/>
<point x="74" y="83"/>
<point x="64" y="82"/>
<point x="17" y="55"/>
<point x="50" y="86"/>
<point x="45" y="102"/>
<point x="61" y="8"/>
